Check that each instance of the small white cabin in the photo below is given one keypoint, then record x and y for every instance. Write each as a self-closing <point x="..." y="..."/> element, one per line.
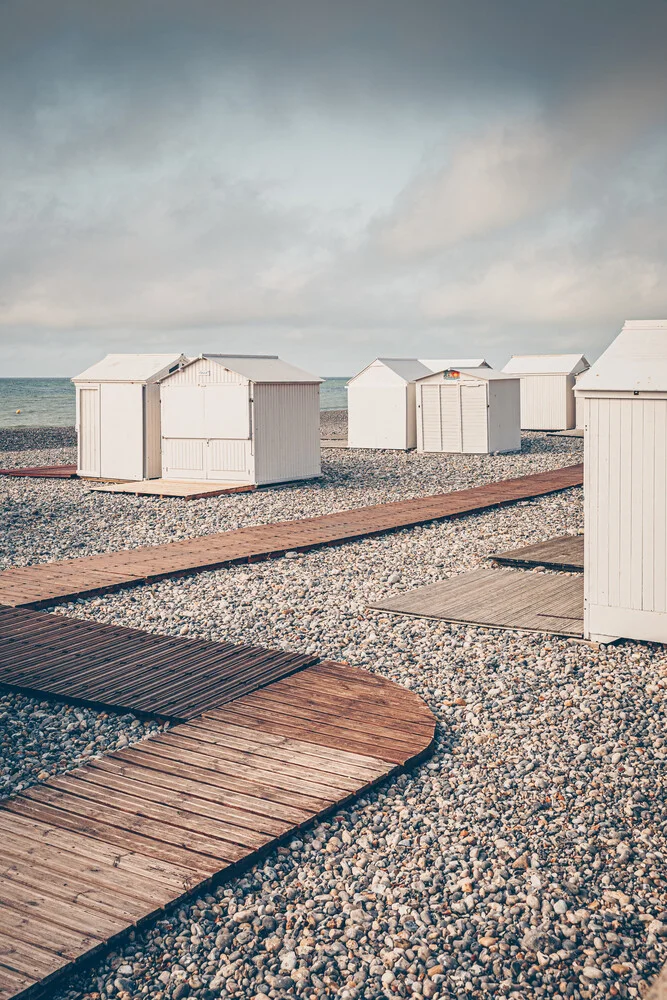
<point x="624" y="398"/>
<point x="381" y="401"/>
<point x="547" y="389"/>
<point x="118" y="415"/>
<point x="246" y="419"/>
<point x="473" y="411"/>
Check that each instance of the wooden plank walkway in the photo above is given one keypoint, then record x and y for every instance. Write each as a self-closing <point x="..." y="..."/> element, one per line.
<point x="172" y="677"/>
<point x="43" y="472"/>
<point x="47" y="583"/>
<point x="93" y="853"/>
<point x="500" y="598"/>
<point x="190" y="490"/>
<point x="563" y="553"/>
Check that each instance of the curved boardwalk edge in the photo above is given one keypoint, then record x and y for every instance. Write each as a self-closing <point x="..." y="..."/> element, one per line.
<point x="92" y="853"/>
<point x="47" y="583"/>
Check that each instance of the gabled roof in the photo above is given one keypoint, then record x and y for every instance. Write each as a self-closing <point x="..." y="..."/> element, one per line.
<point x="635" y="361"/>
<point x="411" y="369"/>
<point x="131" y="368"/>
<point x="487" y="374"/>
<point x="439" y="366"/>
<point x="546" y="364"/>
<point x="262" y="367"/>
<point x="407" y="369"/>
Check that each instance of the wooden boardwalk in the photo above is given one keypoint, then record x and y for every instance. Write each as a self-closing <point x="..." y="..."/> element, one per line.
<point x="172" y="677"/>
<point x="93" y="853"/>
<point x="500" y="598"/>
<point x="48" y="583"/>
<point x="43" y="472"/>
<point x="563" y="553"/>
<point x="189" y="490"/>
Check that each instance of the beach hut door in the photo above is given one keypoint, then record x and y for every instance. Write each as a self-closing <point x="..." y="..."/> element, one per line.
<point x="89" y="431"/>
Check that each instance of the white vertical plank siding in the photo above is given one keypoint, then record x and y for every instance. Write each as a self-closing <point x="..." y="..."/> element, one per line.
<point x="474" y="419"/>
<point x="430" y="423"/>
<point x="377" y="416"/>
<point x="547" y="402"/>
<point x="152" y="432"/>
<point x="205" y="372"/>
<point x="451" y="418"/>
<point x="89" y="431"/>
<point x="286" y="430"/>
<point x="625" y="483"/>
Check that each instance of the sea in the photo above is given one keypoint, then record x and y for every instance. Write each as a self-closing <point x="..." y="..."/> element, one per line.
<point x="51" y="402"/>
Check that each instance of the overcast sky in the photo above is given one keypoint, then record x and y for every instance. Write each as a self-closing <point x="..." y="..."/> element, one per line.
<point x="329" y="181"/>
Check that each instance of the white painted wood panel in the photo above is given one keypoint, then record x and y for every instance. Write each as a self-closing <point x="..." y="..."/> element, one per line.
<point x="286" y="423"/>
<point x="625" y="516"/>
<point x="474" y="419"/>
<point x="377" y="416"/>
<point x="182" y="410"/>
<point x="430" y="422"/>
<point x="89" y="431"/>
<point x="122" y="430"/>
<point x="227" y="411"/>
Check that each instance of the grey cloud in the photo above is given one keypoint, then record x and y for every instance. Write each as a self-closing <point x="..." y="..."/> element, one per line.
<point x="139" y="198"/>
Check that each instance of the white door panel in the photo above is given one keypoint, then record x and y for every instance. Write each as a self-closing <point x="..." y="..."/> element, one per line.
<point x="226" y="411"/>
<point x="89" y="431"/>
<point x="182" y="411"/>
<point x="122" y="430"/>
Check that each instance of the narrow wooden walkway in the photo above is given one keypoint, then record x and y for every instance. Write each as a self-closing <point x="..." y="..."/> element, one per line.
<point x="43" y="472"/>
<point x="91" y="854"/>
<point x="185" y="490"/>
<point x="47" y="583"/>
<point x="499" y="598"/>
<point x="563" y="553"/>
<point x="107" y="665"/>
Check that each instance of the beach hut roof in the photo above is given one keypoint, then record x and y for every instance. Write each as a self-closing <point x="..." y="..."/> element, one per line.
<point x="412" y="369"/>
<point x="635" y="361"/>
<point x="486" y="374"/>
<point x="131" y="368"/>
<point x="262" y="368"/>
<point x="546" y="364"/>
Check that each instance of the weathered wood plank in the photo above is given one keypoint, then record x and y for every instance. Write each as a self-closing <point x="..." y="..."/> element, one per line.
<point x="499" y="598"/>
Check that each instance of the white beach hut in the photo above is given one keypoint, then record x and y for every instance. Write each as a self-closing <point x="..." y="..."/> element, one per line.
<point x="547" y="389"/>
<point x="474" y="411"/>
<point x="624" y="398"/>
<point x="118" y="415"/>
<point x="381" y="401"/>
<point x="240" y="419"/>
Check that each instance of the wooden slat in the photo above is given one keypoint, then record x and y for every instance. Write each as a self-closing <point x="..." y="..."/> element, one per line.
<point x="563" y="553"/>
<point x="47" y="583"/>
<point x="499" y="598"/>
<point x="43" y="472"/>
<point x="89" y="854"/>
<point x="186" y="490"/>
<point x="171" y="677"/>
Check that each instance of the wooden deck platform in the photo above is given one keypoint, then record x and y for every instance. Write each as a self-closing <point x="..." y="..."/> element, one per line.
<point x="563" y="553"/>
<point x="43" y="472"/>
<point x="108" y="665"/>
<point x="89" y="855"/>
<point x="186" y="490"/>
<point x="499" y="598"/>
<point x="48" y="583"/>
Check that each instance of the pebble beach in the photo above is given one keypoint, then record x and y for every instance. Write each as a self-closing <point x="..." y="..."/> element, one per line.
<point x="527" y="857"/>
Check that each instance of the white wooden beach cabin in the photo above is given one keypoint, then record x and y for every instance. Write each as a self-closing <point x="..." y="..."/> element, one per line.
<point x="624" y="397"/>
<point x="547" y="389"/>
<point x="246" y="419"/>
<point x="381" y="401"/>
<point x="118" y="415"/>
<point x="473" y="411"/>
